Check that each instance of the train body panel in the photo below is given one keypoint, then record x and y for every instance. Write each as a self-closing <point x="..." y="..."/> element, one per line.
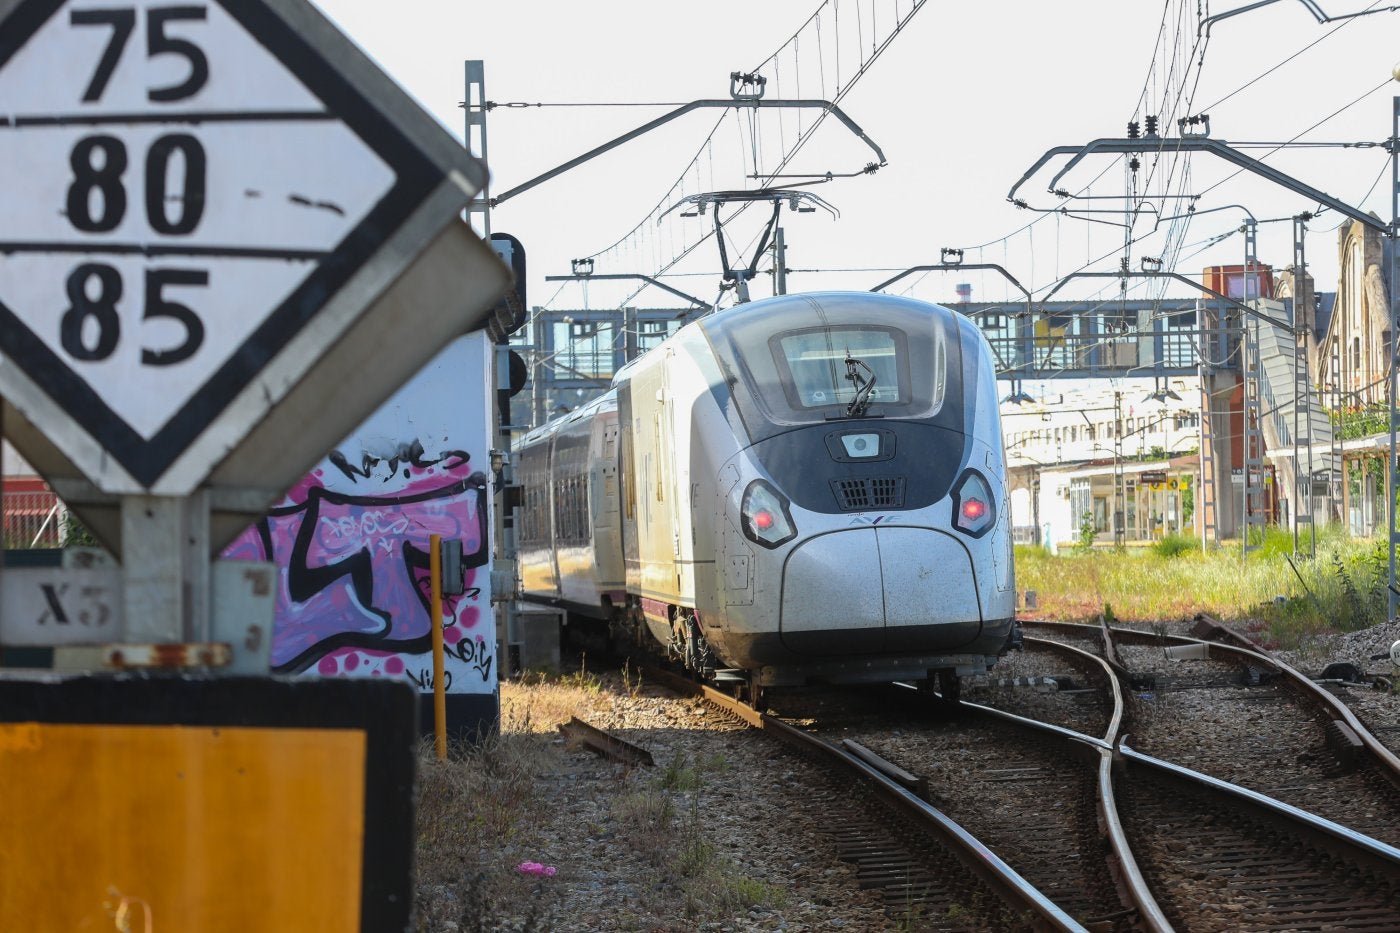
<point x="813" y="486"/>
<point x="569" y="538"/>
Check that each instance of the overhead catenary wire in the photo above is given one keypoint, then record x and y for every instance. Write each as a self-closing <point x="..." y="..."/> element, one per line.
<point x="1177" y="230"/>
<point x="1333" y="115"/>
<point x="761" y="170"/>
<point x="1325" y="36"/>
<point x="1174" y="82"/>
<point x="1140" y="105"/>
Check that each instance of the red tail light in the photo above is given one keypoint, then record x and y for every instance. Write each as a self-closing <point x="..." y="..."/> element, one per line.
<point x="764" y="515"/>
<point x="974" y="510"/>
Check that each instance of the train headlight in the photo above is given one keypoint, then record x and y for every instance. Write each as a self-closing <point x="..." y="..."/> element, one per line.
<point x="860" y="446"/>
<point x="765" y="516"/>
<point x="974" y="510"/>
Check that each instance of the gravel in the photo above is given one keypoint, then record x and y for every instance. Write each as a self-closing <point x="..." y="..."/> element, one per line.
<point x="724" y="833"/>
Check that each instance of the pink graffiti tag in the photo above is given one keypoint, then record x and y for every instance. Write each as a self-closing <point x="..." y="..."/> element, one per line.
<point x="355" y="567"/>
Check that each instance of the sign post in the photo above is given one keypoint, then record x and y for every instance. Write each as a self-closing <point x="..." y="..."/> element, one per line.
<point x="228" y="237"/>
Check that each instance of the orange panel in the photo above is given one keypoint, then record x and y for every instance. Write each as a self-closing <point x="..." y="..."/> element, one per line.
<point x="180" y="828"/>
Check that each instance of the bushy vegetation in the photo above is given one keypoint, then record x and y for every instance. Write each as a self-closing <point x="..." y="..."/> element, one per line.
<point x="1175" y="546"/>
<point x="1281" y="598"/>
<point x="1362" y="421"/>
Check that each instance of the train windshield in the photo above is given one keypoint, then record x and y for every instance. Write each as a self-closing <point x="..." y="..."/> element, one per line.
<point x="845" y="366"/>
<point x="815" y="358"/>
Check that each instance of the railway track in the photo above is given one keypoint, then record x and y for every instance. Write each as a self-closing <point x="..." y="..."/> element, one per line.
<point x="1218" y="858"/>
<point x="1226" y="708"/>
<point x="1107" y="837"/>
<point x="932" y="874"/>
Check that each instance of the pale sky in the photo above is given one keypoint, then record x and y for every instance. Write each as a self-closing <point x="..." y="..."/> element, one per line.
<point x="962" y="103"/>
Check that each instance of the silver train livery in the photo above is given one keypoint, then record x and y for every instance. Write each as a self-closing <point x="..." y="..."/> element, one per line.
<point x="805" y="488"/>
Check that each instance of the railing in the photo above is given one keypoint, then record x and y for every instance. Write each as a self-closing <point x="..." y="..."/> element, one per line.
<point x="1025" y="534"/>
<point x="32" y="518"/>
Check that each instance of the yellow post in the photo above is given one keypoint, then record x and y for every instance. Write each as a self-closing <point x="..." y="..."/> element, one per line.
<point x="439" y="687"/>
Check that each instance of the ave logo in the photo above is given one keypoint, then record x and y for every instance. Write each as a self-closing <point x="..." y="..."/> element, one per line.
<point x="185" y="187"/>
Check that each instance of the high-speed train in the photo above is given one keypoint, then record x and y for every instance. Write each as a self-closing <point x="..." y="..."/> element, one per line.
<point x="806" y="488"/>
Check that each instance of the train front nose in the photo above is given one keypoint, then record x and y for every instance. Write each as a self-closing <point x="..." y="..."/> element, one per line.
<point x="875" y="589"/>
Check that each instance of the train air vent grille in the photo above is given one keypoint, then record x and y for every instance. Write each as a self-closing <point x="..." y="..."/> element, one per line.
<point x="887" y="493"/>
<point x="854" y="495"/>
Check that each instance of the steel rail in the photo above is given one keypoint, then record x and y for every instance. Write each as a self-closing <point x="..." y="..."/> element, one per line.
<point x="1319" y="832"/>
<point x="1237" y="648"/>
<point x="604" y="743"/>
<point x="1003" y="881"/>
<point x="1115" y="718"/>
<point x="1133" y="888"/>
<point x="1332" y="837"/>
<point x="1337" y="840"/>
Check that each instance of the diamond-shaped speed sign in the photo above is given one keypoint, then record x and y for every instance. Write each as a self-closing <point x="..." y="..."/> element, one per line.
<point x="188" y="190"/>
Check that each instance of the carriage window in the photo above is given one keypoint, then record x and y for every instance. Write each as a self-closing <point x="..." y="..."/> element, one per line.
<point x="817" y="363"/>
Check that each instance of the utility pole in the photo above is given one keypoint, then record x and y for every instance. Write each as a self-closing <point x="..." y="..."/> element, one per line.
<point x="503" y="522"/>
<point x="1393" y="233"/>
<point x="1120" y="513"/>
<point x="779" y="262"/>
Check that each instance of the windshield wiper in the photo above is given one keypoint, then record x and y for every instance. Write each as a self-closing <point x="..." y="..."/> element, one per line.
<point x="864" y="387"/>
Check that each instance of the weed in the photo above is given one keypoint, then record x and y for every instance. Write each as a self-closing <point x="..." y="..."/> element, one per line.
<point x="751" y="891"/>
<point x="481" y="801"/>
<point x="1353" y="598"/>
<point x="677" y="849"/>
<point x="581" y="679"/>
<point x="573" y="680"/>
<point x="1087" y="532"/>
<point x="696" y="855"/>
<point x="1174" y="545"/>
<point x="911" y="917"/>
<point x="631" y="678"/>
<point x="645" y="809"/>
<point x="680" y="776"/>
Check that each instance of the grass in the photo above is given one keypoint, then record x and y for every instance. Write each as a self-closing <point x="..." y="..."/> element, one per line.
<point x="1277" y="597"/>
<point x="663" y="819"/>
<point x="482" y="813"/>
<point x="476" y="811"/>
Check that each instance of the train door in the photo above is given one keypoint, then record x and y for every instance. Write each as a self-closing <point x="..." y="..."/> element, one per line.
<point x="629" y="425"/>
<point x="551" y="510"/>
<point x="663" y="546"/>
<point x="605" y="504"/>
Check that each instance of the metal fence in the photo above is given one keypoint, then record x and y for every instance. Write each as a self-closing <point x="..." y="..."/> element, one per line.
<point x="32" y="518"/>
<point x="1025" y="534"/>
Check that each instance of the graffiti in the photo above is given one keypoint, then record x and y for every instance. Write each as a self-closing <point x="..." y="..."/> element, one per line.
<point x="355" y="589"/>
<point x="474" y="653"/>
<point x="411" y="454"/>
<point x="423" y="680"/>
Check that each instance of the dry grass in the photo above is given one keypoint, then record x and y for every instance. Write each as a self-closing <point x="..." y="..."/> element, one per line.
<point x="475" y="808"/>
<point x="662" y="818"/>
<point x="483" y="811"/>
